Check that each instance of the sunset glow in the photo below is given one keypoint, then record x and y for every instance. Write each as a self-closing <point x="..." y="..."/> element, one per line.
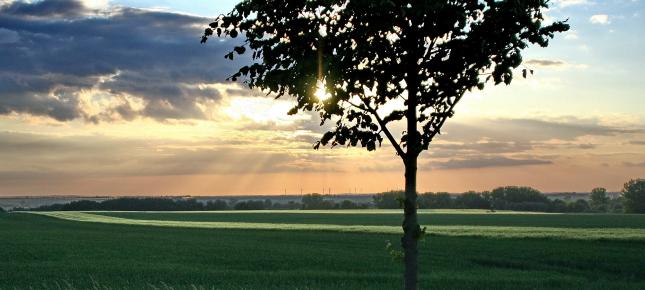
<point x="149" y="112"/>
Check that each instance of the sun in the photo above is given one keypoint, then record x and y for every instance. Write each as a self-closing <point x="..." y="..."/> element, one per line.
<point x="321" y="93"/>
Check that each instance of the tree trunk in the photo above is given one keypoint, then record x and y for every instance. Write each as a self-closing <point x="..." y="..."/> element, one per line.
<point x="411" y="227"/>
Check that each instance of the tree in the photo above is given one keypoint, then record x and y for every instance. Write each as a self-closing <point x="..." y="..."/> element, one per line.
<point x="634" y="196"/>
<point x="316" y="201"/>
<point x="599" y="199"/>
<point x="435" y="200"/>
<point x="558" y="205"/>
<point x="472" y="199"/>
<point x="216" y="205"/>
<point x="519" y="198"/>
<point x="250" y="205"/>
<point x="367" y="65"/>
<point x="616" y="205"/>
<point x="390" y="199"/>
<point x="348" y="204"/>
<point x="580" y="205"/>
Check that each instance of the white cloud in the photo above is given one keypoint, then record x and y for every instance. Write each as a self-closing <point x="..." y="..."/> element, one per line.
<point x="571" y="35"/>
<point x="554" y="63"/>
<point x="96" y="4"/>
<point x="602" y="19"/>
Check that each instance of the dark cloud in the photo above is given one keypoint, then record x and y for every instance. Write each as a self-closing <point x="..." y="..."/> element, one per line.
<point x="152" y="55"/>
<point x="484" y="162"/>
<point x="8" y="36"/>
<point x="50" y="8"/>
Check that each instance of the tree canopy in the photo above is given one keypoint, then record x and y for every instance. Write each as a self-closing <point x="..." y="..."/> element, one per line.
<point x="599" y="199"/>
<point x="634" y="195"/>
<point x="368" y="53"/>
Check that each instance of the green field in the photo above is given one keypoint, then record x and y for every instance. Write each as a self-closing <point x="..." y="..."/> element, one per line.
<point x="317" y="250"/>
<point x="393" y="218"/>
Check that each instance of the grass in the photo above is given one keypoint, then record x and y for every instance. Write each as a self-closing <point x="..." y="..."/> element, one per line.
<point x="393" y="218"/>
<point x="283" y="223"/>
<point x="41" y="252"/>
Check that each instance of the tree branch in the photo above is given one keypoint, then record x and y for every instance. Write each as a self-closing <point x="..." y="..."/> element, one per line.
<point x="384" y="128"/>
<point x="444" y="118"/>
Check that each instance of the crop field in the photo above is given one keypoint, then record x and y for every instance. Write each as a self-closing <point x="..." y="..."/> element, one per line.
<point x="317" y="250"/>
<point x="393" y="218"/>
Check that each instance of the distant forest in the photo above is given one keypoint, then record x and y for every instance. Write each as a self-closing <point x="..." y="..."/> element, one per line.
<point x="502" y="198"/>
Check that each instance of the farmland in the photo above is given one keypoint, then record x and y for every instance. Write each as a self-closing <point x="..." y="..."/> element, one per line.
<point x="317" y="250"/>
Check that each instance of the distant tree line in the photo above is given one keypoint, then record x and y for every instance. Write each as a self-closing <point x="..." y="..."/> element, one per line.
<point x="522" y="198"/>
<point x="163" y="204"/>
<point x="518" y="198"/>
<point x="318" y="201"/>
<point x="309" y="201"/>
<point x="135" y="204"/>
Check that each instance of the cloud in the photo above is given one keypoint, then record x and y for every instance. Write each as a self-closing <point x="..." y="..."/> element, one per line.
<point x="47" y="8"/>
<point x="39" y="156"/>
<point x="485" y="162"/>
<point x="530" y="130"/>
<point x="602" y="19"/>
<point x="507" y="142"/>
<point x="571" y="35"/>
<point x="545" y="62"/>
<point x="587" y="146"/>
<point x="59" y="56"/>
<point x="478" y="148"/>
<point x="8" y="36"/>
<point x="634" y="164"/>
<point x="567" y="3"/>
<point x="96" y="4"/>
<point x="549" y="63"/>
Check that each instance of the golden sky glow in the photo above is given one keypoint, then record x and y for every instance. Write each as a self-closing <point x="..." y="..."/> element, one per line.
<point x="170" y="124"/>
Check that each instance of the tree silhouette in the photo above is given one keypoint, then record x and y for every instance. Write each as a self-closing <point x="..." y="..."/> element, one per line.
<point x="634" y="196"/>
<point x="598" y="199"/>
<point x="366" y="65"/>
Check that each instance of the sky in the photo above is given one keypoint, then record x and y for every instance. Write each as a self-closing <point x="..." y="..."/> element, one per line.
<point x="107" y="97"/>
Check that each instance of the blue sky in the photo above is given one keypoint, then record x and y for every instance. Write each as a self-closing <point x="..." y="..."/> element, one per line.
<point x="611" y="52"/>
<point x="131" y="103"/>
<point x="202" y="8"/>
